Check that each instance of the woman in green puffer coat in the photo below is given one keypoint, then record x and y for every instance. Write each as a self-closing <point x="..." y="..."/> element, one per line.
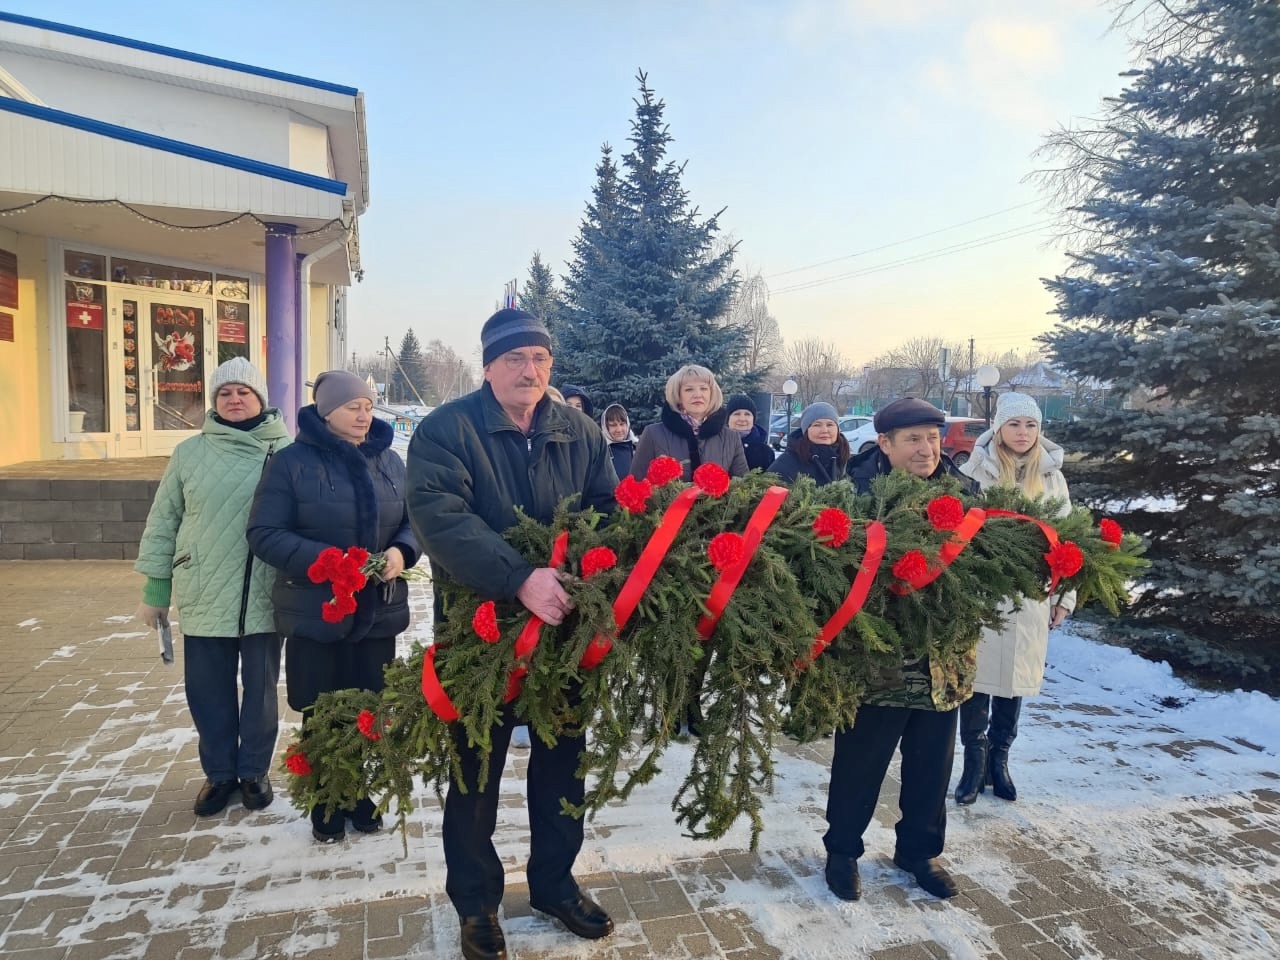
<point x="194" y="552"/>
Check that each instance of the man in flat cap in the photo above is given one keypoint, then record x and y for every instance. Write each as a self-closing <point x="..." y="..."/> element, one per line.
<point x="915" y="705"/>
<point x="471" y="463"/>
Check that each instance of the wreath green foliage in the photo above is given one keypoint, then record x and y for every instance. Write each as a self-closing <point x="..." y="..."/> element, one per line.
<point x="761" y="679"/>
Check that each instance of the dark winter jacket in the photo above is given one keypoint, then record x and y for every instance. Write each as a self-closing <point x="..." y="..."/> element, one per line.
<point x="319" y="492"/>
<point x="825" y="462"/>
<point x="756" y="446"/>
<point x="470" y="466"/>
<point x="673" y="437"/>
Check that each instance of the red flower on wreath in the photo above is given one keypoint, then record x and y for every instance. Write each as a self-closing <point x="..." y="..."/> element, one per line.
<point x="712" y="478"/>
<point x="725" y="549"/>
<point x="485" y="623"/>
<point x="911" y="565"/>
<point x="296" y="762"/>
<point x="832" y="527"/>
<point x="945" y="513"/>
<point x="364" y="722"/>
<point x="1111" y="533"/>
<point x="663" y="470"/>
<point x="633" y="495"/>
<point x="598" y="559"/>
<point x="1065" y="560"/>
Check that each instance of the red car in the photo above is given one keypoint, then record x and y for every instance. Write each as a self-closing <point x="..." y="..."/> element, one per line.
<point x="958" y="437"/>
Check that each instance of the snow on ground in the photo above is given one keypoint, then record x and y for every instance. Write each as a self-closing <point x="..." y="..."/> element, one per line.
<point x="1109" y="761"/>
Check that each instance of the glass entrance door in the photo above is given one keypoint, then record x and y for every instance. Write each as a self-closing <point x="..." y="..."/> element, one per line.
<point x="167" y="351"/>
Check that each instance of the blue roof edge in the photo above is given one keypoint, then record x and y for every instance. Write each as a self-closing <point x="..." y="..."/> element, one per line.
<point x="174" y="52"/>
<point x="168" y="145"/>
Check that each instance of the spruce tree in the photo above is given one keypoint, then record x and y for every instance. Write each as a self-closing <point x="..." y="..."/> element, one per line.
<point x="1173" y="300"/>
<point x="540" y="296"/>
<point x="409" y="371"/>
<point x="646" y="291"/>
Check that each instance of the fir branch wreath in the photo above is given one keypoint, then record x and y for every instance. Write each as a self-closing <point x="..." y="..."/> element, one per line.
<point x="803" y="598"/>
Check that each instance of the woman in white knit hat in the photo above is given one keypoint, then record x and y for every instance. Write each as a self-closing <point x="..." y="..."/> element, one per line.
<point x="1013" y="453"/>
<point x="194" y="552"/>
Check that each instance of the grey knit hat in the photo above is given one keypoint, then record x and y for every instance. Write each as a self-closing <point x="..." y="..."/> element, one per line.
<point x="510" y="329"/>
<point x="239" y="370"/>
<point x="815" y="412"/>
<point x="334" y="388"/>
<point x="1010" y="405"/>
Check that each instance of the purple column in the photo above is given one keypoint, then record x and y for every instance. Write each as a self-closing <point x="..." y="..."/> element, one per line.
<point x="302" y="341"/>
<point x="282" y="322"/>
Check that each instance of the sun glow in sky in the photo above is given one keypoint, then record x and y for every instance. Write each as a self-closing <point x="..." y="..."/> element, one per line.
<point x="870" y="156"/>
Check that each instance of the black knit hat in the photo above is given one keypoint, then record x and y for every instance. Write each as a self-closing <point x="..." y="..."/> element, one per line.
<point x="740" y="401"/>
<point x="908" y="412"/>
<point x="509" y="329"/>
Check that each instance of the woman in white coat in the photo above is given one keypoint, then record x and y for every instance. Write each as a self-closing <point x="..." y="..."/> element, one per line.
<point x="1011" y="662"/>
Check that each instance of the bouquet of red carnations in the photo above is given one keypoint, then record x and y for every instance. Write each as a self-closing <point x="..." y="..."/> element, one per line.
<point x="349" y="571"/>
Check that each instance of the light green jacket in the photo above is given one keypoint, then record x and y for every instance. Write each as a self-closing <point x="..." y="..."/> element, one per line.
<point x="195" y="534"/>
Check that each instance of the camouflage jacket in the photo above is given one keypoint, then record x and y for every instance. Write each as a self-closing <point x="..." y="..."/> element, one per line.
<point x="931" y="684"/>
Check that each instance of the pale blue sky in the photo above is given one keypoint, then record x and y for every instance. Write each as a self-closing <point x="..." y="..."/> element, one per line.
<point x="824" y="128"/>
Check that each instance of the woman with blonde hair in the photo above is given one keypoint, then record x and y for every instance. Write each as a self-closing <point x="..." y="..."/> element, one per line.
<point x="1013" y="453"/>
<point x="693" y="427"/>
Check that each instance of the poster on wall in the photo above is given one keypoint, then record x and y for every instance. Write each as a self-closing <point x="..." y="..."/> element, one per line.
<point x="8" y="279"/>
<point x="85" y="316"/>
<point x="177" y="355"/>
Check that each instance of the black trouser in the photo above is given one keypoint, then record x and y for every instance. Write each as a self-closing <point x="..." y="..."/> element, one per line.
<point x="474" y="878"/>
<point x="992" y="718"/>
<point x="237" y="733"/>
<point x="862" y="757"/>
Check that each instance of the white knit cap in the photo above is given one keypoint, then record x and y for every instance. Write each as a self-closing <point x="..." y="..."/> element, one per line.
<point x="239" y="370"/>
<point x="1010" y="405"/>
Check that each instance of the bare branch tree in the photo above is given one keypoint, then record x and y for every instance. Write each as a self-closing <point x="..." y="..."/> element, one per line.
<point x="750" y="312"/>
<point x="819" y="368"/>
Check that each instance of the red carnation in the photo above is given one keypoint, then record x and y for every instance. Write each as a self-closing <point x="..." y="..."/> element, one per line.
<point x="633" y="495"/>
<point x="325" y="564"/>
<point x="597" y="559"/>
<point x="1065" y="560"/>
<point x="297" y="762"/>
<point x="330" y="613"/>
<point x="357" y="556"/>
<point x="832" y="527"/>
<point x="365" y="722"/>
<point x="712" y="478"/>
<point x="485" y="623"/>
<point x="725" y="549"/>
<point x="945" y="513"/>
<point x="663" y="470"/>
<point x="1111" y="533"/>
<point x="910" y="566"/>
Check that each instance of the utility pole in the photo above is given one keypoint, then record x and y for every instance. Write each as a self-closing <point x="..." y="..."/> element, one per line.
<point x="968" y="393"/>
<point x="386" y="370"/>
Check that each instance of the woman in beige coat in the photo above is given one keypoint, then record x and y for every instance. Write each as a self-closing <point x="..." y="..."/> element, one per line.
<point x="1011" y="662"/>
<point x="693" y="428"/>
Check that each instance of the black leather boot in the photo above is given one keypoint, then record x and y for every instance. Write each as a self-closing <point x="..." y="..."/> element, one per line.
<point x="974" y="775"/>
<point x="998" y="770"/>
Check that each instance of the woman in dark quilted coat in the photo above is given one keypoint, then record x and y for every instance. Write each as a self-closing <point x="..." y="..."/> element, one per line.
<point x="340" y="485"/>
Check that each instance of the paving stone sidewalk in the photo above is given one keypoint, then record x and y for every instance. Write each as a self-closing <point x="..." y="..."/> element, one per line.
<point x="102" y="857"/>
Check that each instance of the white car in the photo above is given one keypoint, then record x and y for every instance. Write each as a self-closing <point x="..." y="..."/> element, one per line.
<point x="860" y="431"/>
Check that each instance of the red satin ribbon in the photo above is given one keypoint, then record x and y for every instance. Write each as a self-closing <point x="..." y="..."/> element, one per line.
<point x="526" y="643"/>
<point x="433" y="691"/>
<point x="971" y="524"/>
<point x="859" y="590"/>
<point x="1050" y="534"/>
<point x="642" y="573"/>
<point x="729" y="578"/>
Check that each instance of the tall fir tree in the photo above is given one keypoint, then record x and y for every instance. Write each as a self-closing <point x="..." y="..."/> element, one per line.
<point x="1173" y="299"/>
<point x="540" y="296"/>
<point x="408" y="377"/>
<point x="646" y="288"/>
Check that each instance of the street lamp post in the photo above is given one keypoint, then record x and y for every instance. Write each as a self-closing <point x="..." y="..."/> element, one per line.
<point x="987" y="376"/>
<point x="789" y="387"/>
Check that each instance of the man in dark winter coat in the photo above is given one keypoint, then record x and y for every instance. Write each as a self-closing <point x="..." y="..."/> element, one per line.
<point x="915" y="705"/>
<point x="471" y="463"/>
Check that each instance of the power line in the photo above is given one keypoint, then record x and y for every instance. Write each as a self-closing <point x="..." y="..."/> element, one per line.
<point x="898" y="243"/>
<point x="1010" y="234"/>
